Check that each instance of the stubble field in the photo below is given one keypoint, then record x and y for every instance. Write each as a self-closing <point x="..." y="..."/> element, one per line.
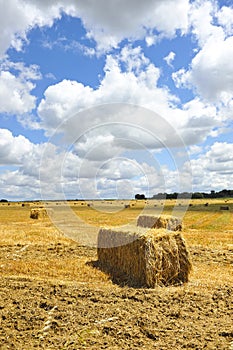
<point x="53" y="297"/>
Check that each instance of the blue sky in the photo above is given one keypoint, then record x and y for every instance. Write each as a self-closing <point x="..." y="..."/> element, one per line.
<point x="106" y="99"/>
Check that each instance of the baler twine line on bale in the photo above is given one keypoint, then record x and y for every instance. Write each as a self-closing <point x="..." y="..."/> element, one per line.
<point x="145" y="257"/>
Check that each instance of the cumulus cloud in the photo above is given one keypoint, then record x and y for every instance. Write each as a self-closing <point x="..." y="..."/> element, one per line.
<point x="52" y="172"/>
<point x="213" y="169"/>
<point x="56" y="172"/>
<point x="107" y="22"/>
<point x="13" y="149"/>
<point x="130" y="78"/>
<point x="16" y="85"/>
<point x="211" y="71"/>
<point x="20" y="159"/>
<point x="28" y="15"/>
<point x="15" y="185"/>
<point x="15" y="95"/>
<point x="225" y="19"/>
<point x="201" y="20"/>
<point x="63" y="100"/>
<point x="63" y="174"/>
<point x="111" y="22"/>
<point x="135" y="84"/>
<point x="202" y="118"/>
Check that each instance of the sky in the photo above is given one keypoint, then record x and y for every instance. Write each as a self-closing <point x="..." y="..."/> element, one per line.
<point x="110" y="98"/>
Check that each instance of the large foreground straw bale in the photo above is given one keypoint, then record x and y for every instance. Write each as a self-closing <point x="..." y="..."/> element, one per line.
<point x="40" y="213"/>
<point x="144" y="257"/>
<point x="169" y="222"/>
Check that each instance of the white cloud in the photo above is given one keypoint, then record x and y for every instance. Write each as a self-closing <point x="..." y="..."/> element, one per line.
<point x="54" y="172"/>
<point x="69" y="45"/>
<point x="107" y="22"/>
<point x="30" y="72"/>
<point x="201" y="18"/>
<point x="136" y="84"/>
<point x="15" y="185"/>
<point x="62" y="100"/>
<point x="111" y="22"/>
<point x="15" y="95"/>
<point x="16" y="86"/>
<point x="170" y="58"/>
<point x="210" y="73"/>
<point x="29" y="172"/>
<point x="213" y="170"/>
<point x="212" y="70"/>
<point x="13" y="149"/>
<point x="195" y="150"/>
<point x="18" y="152"/>
<point x="120" y="168"/>
<point x="18" y="17"/>
<point x="225" y="19"/>
<point x="150" y="40"/>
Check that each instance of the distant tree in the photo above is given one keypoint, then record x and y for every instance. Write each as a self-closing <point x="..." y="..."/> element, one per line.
<point x="172" y="195"/>
<point x="197" y="195"/>
<point x="160" y="196"/>
<point x="140" y="196"/>
<point x="4" y="200"/>
<point x="224" y="193"/>
<point x="185" y="195"/>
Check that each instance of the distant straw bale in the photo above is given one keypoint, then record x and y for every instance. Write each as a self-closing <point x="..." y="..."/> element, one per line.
<point x="40" y="213"/>
<point x="142" y="257"/>
<point x="169" y="222"/>
<point x="224" y="208"/>
<point x="26" y="205"/>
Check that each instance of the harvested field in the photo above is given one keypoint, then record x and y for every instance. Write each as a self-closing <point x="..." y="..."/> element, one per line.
<point x="53" y="297"/>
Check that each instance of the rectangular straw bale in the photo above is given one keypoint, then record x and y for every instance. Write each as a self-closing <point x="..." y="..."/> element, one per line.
<point x="169" y="222"/>
<point x="39" y="213"/>
<point x="144" y="257"/>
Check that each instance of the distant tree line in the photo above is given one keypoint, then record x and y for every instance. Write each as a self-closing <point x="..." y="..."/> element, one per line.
<point x="194" y="195"/>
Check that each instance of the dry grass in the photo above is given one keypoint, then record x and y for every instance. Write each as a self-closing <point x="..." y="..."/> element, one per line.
<point x="205" y="227"/>
<point x="71" y="269"/>
<point x="208" y="276"/>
